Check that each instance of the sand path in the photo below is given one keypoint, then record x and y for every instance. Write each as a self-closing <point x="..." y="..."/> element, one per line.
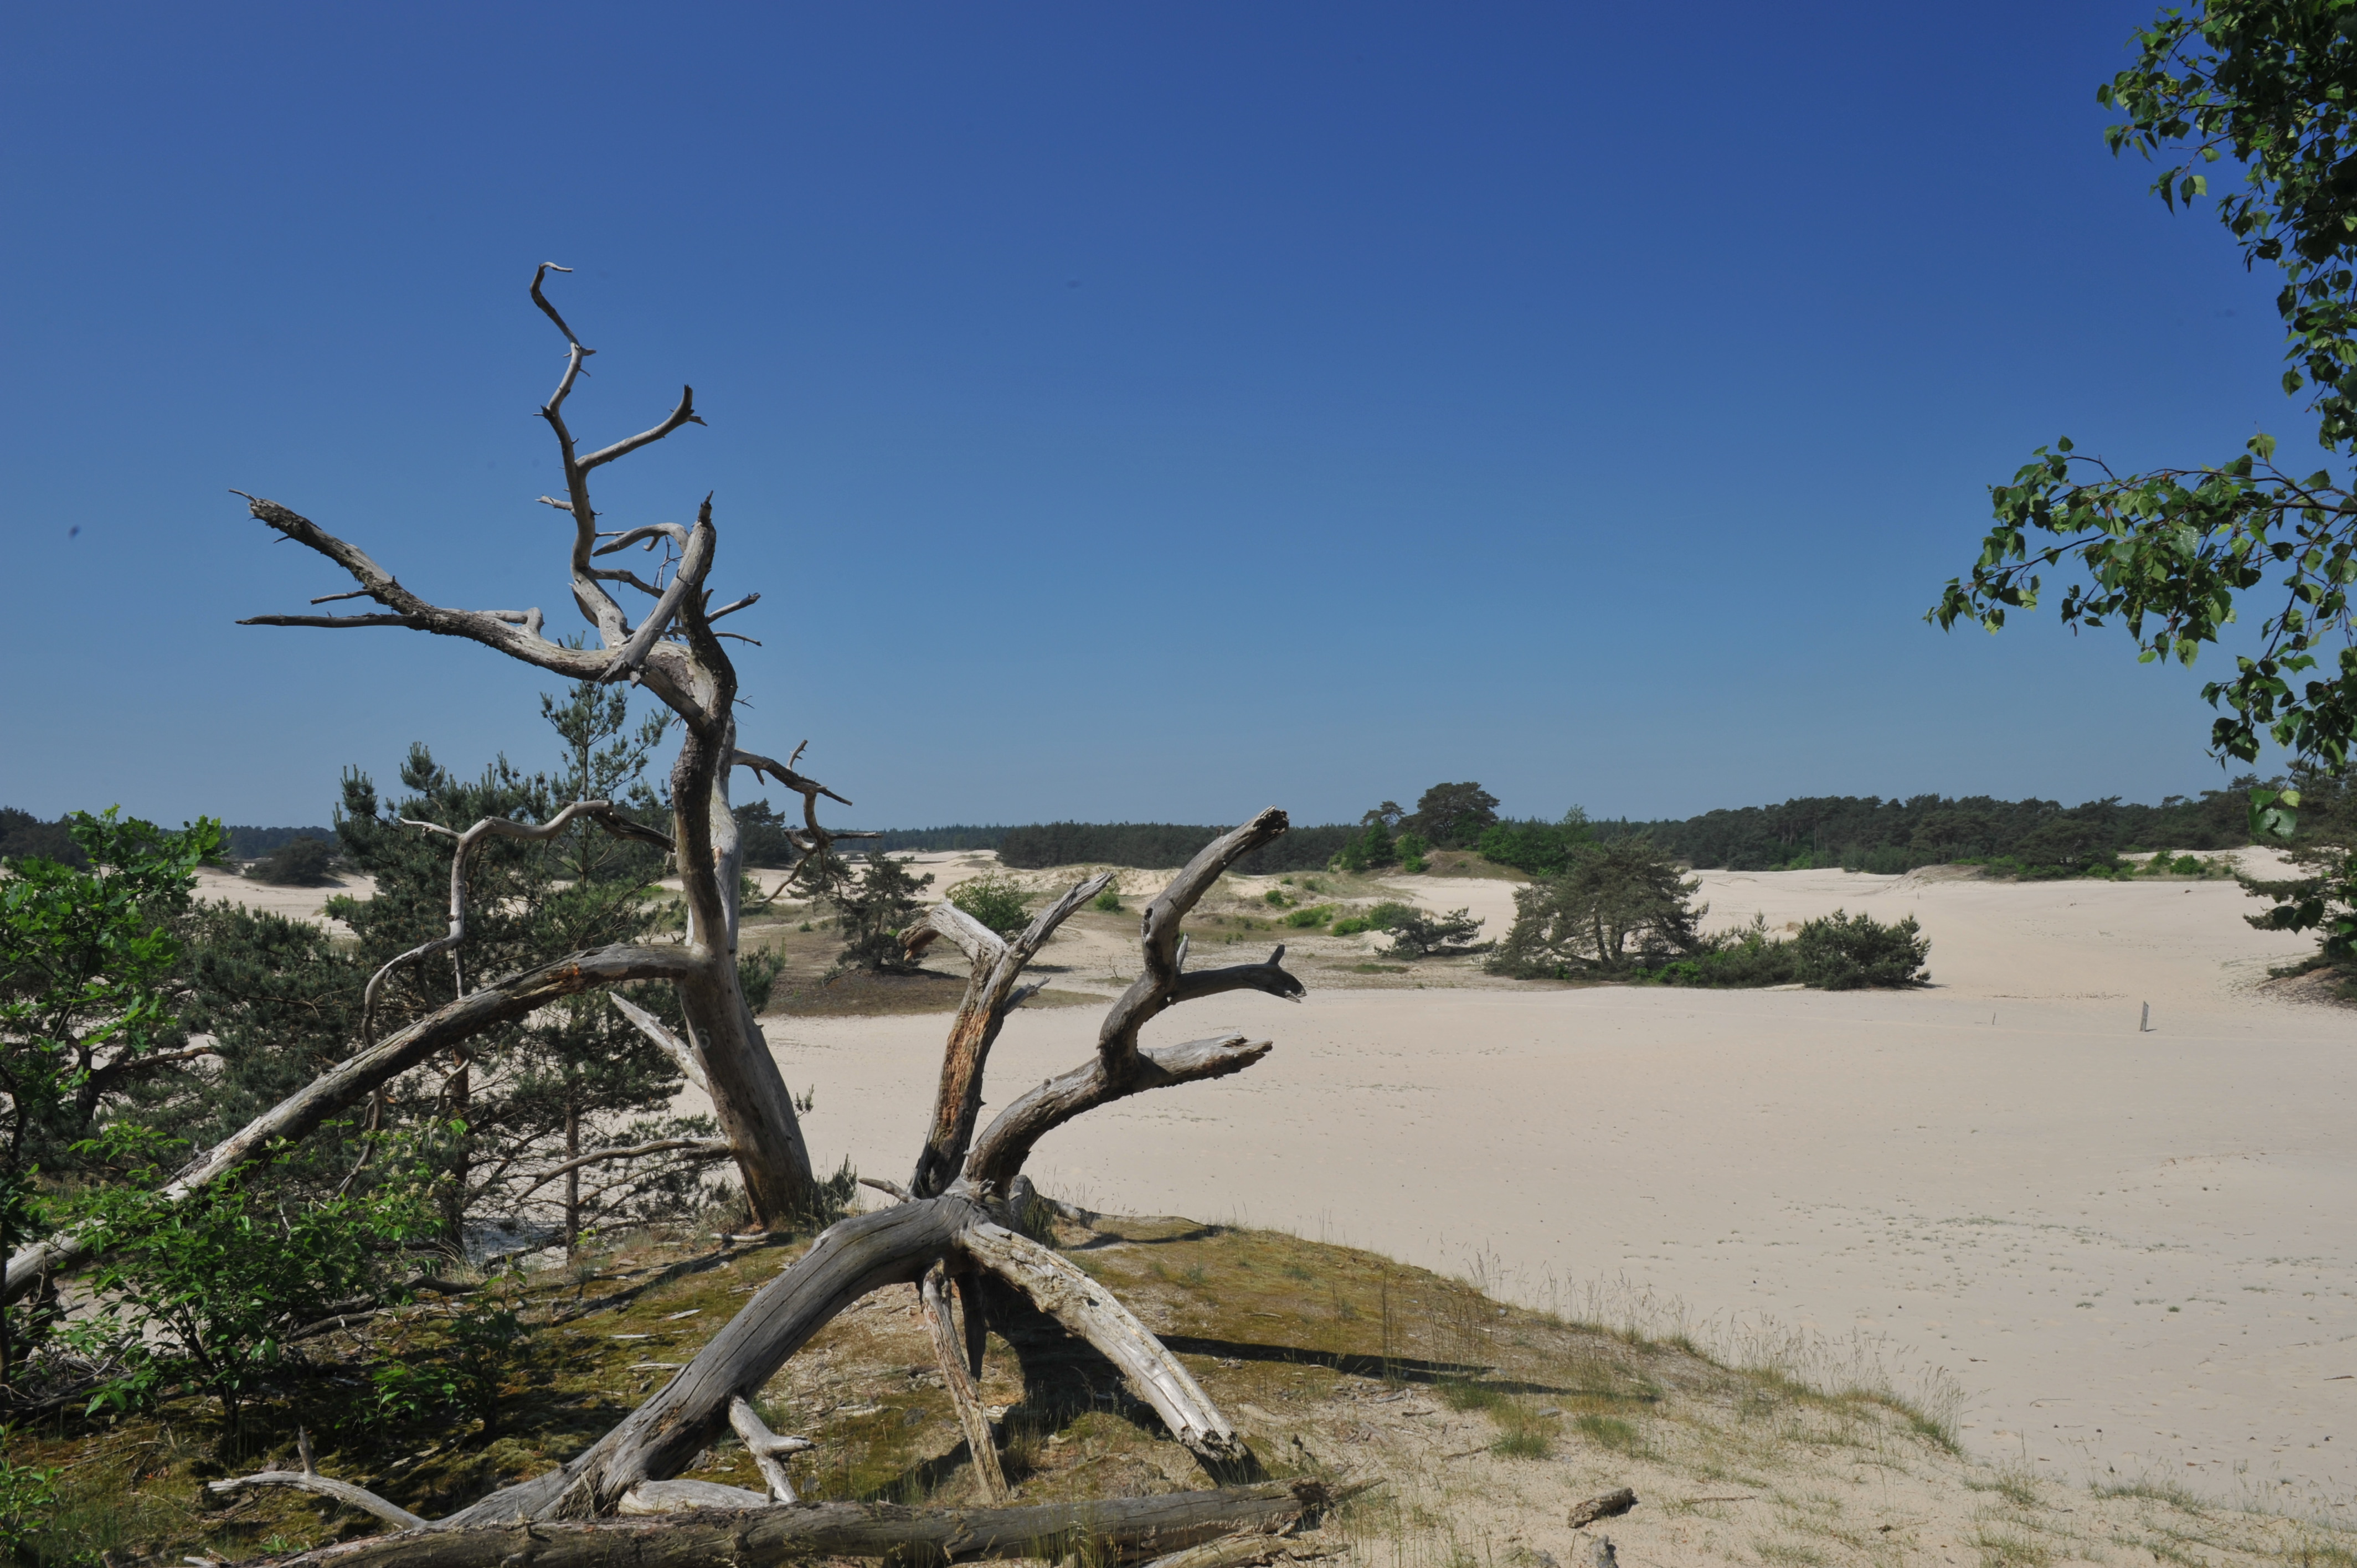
<point x="2135" y="1250"/>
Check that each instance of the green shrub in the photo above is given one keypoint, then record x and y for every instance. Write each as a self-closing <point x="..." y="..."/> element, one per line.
<point x="297" y="863"/>
<point x="1419" y="935"/>
<point x="1305" y="920"/>
<point x="994" y="900"/>
<point x="1844" y="953"/>
<point x="1351" y="925"/>
<point x="1108" y="901"/>
<point x="203" y="1293"/>
<point x="1746" y="956"/>
<point x="1274" y="898"/>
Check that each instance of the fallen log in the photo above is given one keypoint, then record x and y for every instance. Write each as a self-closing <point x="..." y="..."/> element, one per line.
<point x="754" y="1537"/>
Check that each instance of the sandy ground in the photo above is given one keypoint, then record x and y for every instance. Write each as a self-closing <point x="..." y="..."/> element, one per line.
<point x="295" y="903"/>
<point x="2135" y="1252"/>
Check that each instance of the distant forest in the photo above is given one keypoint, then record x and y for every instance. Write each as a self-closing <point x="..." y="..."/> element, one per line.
<point x="1869" y="833"/>
<point x="1856" y="832"/>
<point x="23" y="833"/>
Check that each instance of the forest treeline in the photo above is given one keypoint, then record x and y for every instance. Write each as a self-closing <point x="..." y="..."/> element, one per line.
<point x="1854" y="832"/>
<point x="23" y="833"/>
<point x="1871" y="833"/>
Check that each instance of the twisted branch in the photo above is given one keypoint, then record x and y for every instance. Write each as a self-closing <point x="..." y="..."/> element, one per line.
<point x="991" y="993"/>
<point x="601" y="812"/>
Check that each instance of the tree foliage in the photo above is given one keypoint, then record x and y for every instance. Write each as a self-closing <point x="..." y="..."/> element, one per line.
<point x="872" y="911"/>
<point x="1542" y="849"/>
<point x="1454" y="816"/>
<point x="2168" y="555"/>
<point x="1617" y="906"/>
<point x="996" y="899"/>
<point x="297" y="863"/>
<point x="216" y="1292"/>
<point x="89" y="995"/>
<point x="1418" y="933"/>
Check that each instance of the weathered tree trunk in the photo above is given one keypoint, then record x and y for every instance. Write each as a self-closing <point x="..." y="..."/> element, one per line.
<point x="1097" y="1315"/>
<point x="573" y="1177"/>
<point x="656" y="1441"/>
<point x="956" y="1377"/>
<point x="755" y="1537"/>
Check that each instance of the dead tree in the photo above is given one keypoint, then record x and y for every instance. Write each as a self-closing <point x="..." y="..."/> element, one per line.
<point x="674" y="652"/>
<point x="954" y="1222"/>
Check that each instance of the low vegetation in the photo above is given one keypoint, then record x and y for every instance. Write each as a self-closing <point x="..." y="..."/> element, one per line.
<point x="1624" y="909"/>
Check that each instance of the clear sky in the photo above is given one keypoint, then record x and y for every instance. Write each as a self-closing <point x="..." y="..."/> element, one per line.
<point x="1127" y="411"/>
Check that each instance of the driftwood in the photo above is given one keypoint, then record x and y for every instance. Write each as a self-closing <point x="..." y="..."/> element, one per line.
<point x="1611" y="1505"/>
<point x="751" y="1537"/>
<point x="344" y="1492"/>
<point x="958" y="1377"/>
<point x="957" y="1220"/>
<point x="1058" y="1289"/>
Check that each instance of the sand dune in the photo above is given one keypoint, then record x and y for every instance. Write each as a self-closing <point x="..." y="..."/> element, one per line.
<point x="2137" y="1251"/>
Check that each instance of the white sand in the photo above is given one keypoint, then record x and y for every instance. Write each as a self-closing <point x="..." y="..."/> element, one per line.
<point x="294" y="903"/>
<point x="2000" y="1174"/>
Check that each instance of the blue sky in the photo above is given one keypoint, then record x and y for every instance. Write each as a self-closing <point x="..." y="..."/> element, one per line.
<point x="1126" y="412"/>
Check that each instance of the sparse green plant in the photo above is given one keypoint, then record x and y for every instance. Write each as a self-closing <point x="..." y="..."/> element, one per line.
<point x="1522" y="1442"/>
<point x="1107" y="902"/>
<point x="1610" y="1432"/>
<point x="29" y="1497"/>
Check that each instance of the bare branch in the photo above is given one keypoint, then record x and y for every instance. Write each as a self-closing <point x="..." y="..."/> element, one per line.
<point x="652" y="1028"/>
<point x="331" y="598"/>
<point x="998" y="1155"/>
<point x="703" y="1149"/>
<point x="848" y="1260"/>
<point x="675" y="533"/>
<point x="1269" y="977"/>
<point x="763" y="767"/>
<point x="749" y="1536"/>
<point x="344" y="1492"/>
<point x="1058" y="1289"/>
<point x="991" y="993"/>
<point x="980" y="944"/>
<point x="695" y="560"/>
<point x="601" y="812"/>
<point x="1155" y="985"/>
<point x="540" y="299"/>
<point x="769" y="1450"/>
<point x="890" y="1189"/>
<point x="973" y="1420"/>
<point x="683" y="414"/>
<point x="748" y="602"/>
